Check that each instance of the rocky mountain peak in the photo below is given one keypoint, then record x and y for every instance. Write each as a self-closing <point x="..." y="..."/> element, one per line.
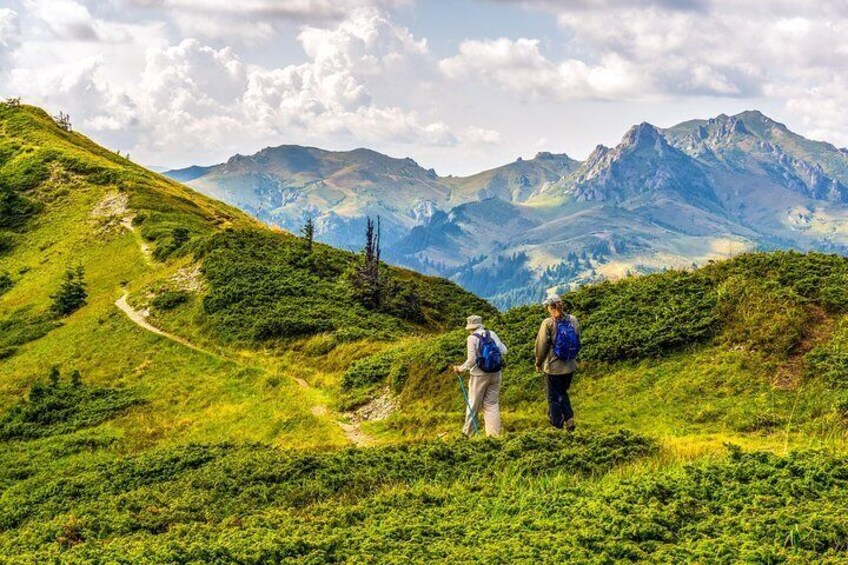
<point x="642" y="135"/>
<point x="598" y="156"/>
<point x="723" y="127"/>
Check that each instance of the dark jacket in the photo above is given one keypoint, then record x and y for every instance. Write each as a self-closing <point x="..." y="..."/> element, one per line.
<point x="545" y="360"/>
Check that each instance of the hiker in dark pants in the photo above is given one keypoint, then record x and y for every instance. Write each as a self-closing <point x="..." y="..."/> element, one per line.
<point x="560" y="333"/>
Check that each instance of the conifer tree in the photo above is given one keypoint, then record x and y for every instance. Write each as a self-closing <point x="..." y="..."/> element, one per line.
<point x="54" y="377"/>
<point x="72" y="293"/>
<point x="308" y="232"/>
<point x="368" y="281"/>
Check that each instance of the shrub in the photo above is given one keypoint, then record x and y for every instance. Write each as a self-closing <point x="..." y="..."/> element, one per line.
<point x="414" y="503"/>
<point x="15" y="209"/>
<point x="59" y="408"/>
<point x="368" y="371"/>
<point x="816" y="277"/>
<point x="842" y="411"/>
<point x="21" y="327"/>
<point x="72" y="293"/>
<point x="6" y="282"/>
<point x="262" y="286"/>
<point x="166" y="247"/>
<point x="170" y="299"/>
<point x="761" y="315"/>
<point x="7" y="242"/>
<point x="645" y="316"/>
<point x="829" y="361"/>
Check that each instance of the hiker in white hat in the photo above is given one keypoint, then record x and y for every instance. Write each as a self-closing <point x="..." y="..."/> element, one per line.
<point x="484" y="362"/>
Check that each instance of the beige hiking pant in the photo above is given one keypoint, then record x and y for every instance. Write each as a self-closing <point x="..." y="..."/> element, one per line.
<point x="484" y="393"/>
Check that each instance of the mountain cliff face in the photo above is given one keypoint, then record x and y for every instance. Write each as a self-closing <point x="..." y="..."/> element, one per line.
<point x="660" y="198"/>
<point x="642" y="169"/>
<point x="750" y="143"/>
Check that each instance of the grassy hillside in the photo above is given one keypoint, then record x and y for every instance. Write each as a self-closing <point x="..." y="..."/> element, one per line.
<point x="202" y="417"/>
<point x="201" y="269"/>
<point x="750" y="350"/>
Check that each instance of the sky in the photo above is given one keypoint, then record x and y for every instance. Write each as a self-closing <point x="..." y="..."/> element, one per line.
<point x="457" y="85"/>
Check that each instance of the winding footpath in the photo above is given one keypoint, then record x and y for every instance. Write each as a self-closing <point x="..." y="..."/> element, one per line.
<point x="352" y="432"/>
<point x="139" y="320"/>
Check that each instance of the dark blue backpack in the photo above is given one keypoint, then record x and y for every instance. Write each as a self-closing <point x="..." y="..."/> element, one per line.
<point x="489" y="359"/>
<point x="566" y="341"/>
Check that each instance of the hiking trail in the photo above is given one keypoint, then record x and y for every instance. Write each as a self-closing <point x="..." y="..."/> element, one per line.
<point x="352" y="432"/>
<point x="138" y="318"/>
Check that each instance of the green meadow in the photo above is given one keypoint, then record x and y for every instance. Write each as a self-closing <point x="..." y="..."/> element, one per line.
<point x="244" y="404"/>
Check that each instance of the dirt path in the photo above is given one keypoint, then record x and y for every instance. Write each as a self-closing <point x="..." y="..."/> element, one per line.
<point x="355" y="435"/>
<point x="139" y="320"/>
<point x="352" y="432"/>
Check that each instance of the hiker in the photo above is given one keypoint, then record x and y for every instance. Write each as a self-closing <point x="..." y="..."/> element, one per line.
<point x="557" y="346"/>
<point x="484" y="361"/>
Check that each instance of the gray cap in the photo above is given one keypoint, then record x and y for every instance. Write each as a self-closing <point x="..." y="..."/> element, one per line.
<point x="474" y="322"/>
<point x="552" y="299"/>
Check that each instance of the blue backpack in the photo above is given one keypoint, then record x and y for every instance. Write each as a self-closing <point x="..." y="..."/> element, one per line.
<point x="566" y="341"/>
<point x="489" y="359"/>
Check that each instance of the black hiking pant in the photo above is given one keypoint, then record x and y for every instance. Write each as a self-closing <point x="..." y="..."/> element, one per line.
<point x="559" y="404"/>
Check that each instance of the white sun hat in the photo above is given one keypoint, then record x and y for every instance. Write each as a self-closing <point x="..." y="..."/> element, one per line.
<point x="474" y="322"/>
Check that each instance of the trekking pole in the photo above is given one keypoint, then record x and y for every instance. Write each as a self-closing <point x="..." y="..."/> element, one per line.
<point x="468" y="404"/>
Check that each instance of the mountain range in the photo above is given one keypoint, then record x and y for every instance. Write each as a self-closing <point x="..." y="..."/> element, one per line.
<point x="661" y="198"/>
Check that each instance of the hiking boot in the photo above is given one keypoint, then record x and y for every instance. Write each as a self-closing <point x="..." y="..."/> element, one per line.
<point x="570" y="426"/>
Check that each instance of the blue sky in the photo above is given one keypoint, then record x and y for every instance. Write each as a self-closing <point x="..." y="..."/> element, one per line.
<point x="458" y="85"/>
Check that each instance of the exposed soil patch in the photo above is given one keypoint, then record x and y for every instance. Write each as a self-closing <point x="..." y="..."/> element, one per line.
<point x="189" y="279"/>
<point x="378" y="409"/>
<point x="112" y="213"/>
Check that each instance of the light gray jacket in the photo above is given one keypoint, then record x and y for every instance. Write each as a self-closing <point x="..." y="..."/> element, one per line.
<point x="545" y="359"/>
<point x="472" y="346"/>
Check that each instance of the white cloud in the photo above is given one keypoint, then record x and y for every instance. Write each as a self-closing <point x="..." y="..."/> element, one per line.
<point x="820" y="108"/>
<point x="330" y="94"/>
<point x="10" y="37"/>
<point x="73" y="21"/>
<point x="303" y="9"/>
<point x="178" y="81"/>
<point x="256" y="19"/>
<point x="520" y="68"/>
<point x="480" y="136"/>
<point x="192" y="98"/>
<point x="630" y="50"/>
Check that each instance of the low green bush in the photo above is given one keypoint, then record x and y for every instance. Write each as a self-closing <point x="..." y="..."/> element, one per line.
<point x="6" y="282"/>
<point x="15" y="209"/>
<point x="7" y="242"/>
<point x="529" y="497"/>
<point x="761" y="315"/>
<point x="370" y="370"/>
<point x="58" y="408"/>
<point x="211" y="482"/>
<point x="170" y="299"/>
<point x="265" y="286"/>
<point x="829" y="361"/>
<point x="21" y="327"/>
